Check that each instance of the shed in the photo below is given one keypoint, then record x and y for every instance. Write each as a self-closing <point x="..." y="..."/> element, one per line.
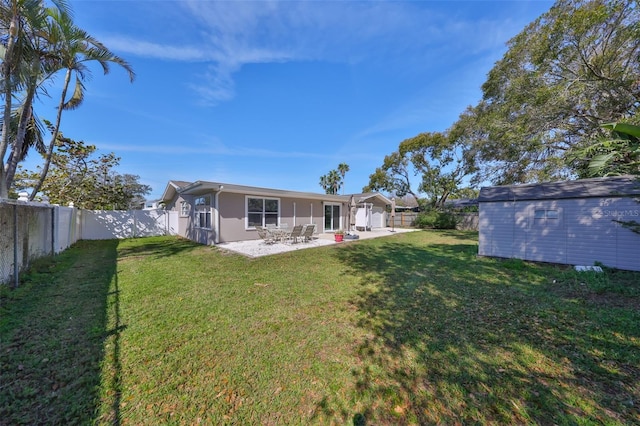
<point x="572" y="222"/>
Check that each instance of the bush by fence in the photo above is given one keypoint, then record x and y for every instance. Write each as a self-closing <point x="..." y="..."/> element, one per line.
<point x="32" y="230"/>
<point x="463" y="221"/>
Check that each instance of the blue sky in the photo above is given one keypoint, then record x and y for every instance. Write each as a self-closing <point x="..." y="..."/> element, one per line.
<point x="276" y="94"/>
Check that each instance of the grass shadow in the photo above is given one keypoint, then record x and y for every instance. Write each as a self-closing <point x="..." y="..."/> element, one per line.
<point x="455" y="338"/>
<point x="53" y="331"/>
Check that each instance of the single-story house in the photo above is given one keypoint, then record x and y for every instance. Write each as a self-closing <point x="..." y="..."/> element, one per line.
<point x="212" y="212"/>
<point x="573" y="222"/>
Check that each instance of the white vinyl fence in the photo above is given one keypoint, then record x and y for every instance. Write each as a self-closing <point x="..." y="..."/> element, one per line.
<point x="32" y="230"/>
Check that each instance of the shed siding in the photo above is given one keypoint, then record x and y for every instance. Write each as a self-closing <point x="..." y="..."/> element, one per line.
<point x="496" y="230"/>
<point x="542" y="227"/>
<point x="593" y="239"/>
<point x="578" y="232"/>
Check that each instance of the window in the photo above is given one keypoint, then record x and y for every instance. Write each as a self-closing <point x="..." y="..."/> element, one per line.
<point x="546" y="214"/>
<point x="185" y="208"/>
<point x="262" y="211"/>
<point x="203" y="212"/>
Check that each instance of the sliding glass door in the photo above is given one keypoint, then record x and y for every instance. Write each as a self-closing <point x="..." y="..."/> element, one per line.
<point x="332" y="217"/>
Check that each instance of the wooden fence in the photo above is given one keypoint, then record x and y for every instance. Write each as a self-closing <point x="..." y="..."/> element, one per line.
<point x="466" y="221"/>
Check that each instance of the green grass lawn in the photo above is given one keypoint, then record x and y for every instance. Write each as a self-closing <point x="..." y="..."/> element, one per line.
<point x="409" y="329"/>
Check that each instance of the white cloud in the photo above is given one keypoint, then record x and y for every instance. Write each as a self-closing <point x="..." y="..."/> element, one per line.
<point x="228" y="35"/>
<point x="154" y="50"/>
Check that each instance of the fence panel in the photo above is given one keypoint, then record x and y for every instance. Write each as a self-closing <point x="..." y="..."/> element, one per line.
<point x="402" y="219"/>
<point x="67" y="227"/>
<point x="104" y="225"/>
<point x="32" y="230"/>
<point x="26" y="234"/>
<point x="468" y="221"/>
<point x="7" y="228"/>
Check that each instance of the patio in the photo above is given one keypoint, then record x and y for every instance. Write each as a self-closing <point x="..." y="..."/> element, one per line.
<point x="258" y="248"/>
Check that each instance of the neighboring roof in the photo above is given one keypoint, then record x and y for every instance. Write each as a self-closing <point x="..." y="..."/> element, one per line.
<point x="462" y="202"/>
<point x="172" y="189"/>
<point x="614" y="186"/>
<point x="361" y="198"/>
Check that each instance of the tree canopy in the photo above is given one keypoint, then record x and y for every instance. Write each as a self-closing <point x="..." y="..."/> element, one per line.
<point x="616" y="154"/>
<point x="572" y="69"/>
<point x="334" y="180"/>
<point x="88" y="180"/>
<point x="437" y="159"/>
<point x="36" y="42"/>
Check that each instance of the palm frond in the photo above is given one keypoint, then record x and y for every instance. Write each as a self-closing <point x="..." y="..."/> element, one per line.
<point x="76" y="99"/>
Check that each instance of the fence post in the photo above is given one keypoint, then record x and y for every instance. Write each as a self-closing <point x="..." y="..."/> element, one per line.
<point x="53" y="231"/>
<point x="16" y="269"/>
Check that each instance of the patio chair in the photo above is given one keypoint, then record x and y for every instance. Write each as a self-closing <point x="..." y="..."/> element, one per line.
<point x="307" y="234"/>
<point x="265" y="235"/>
<point x="296" y="233"/>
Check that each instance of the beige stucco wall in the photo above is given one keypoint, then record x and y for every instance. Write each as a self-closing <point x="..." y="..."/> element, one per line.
<point x="293" y="211"/>
<point x="228" y="216"/>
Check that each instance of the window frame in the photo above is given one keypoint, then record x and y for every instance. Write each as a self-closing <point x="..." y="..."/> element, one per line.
<point x="185" y="208"/>
<point x="263" y="214"/>
<point x="546" y="214"/>
<point x="202" y="209"/>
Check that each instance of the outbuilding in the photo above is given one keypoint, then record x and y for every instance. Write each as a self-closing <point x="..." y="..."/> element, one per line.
<point x="573" y="222"/>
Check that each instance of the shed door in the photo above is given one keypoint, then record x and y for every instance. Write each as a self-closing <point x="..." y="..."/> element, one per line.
<point x="546" y="239"/>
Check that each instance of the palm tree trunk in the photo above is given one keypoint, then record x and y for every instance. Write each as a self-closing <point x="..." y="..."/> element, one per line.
<point x="14" y="157"/>
<point x="6" y="72"/>
<point x="54" y="137"/>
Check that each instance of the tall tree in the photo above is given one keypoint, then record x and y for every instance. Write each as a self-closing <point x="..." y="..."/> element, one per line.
<point x="394" y="176"/>
<point x="568" y="71"/>
<point x="334" y="180"/>
<point x="74" y="48"/>
<point x="35" y="43"/>
<point x="438" y="158"/>
<point x="439" y="161"/>
<point x="343" y="168"/>
<point x="77" y="175"/>
<point x="24" y="60"/>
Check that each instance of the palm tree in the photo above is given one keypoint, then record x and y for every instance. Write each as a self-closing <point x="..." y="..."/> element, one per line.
<point x="22" y="23"/>
<point x="343" y="168"/>
<point x="324" y="183"/>
<point x="334" y="181"/>
<point x="74" y="47"/>
<point x="32" y="139"/>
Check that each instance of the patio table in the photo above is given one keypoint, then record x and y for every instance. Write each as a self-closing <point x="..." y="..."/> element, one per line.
<point x="279" y="233"/>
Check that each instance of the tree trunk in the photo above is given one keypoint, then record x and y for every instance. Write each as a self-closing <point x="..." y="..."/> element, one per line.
<point x="6" y="71"/>
<point x="54" y="137"/>
<point x="25" y="117"/>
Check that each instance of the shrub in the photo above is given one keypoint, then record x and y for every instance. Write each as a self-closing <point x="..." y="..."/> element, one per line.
<point x="436" y="219"/>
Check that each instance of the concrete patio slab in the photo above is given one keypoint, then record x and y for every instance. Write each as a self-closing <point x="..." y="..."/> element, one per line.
<point x="258" y="248"/>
